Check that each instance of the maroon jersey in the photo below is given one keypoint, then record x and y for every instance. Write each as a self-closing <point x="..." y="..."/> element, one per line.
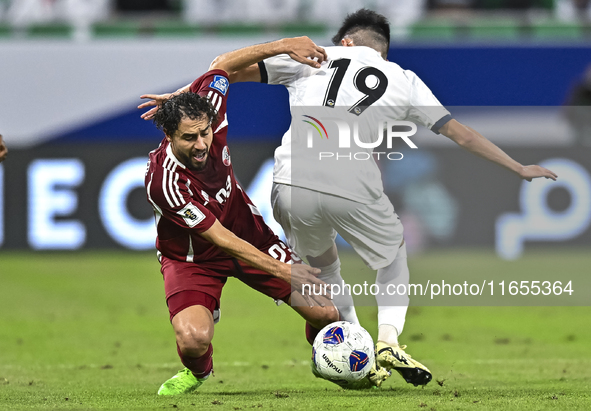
<point x="187" y="202"/>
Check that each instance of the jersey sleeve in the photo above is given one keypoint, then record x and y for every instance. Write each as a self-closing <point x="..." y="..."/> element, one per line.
<point x="214" y="85"/>
<point x="424" y="107"/>
<point x="280" y="69"/>
<point x="170" y="196"/>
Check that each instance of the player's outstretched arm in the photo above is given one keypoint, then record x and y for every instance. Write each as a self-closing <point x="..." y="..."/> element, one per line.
<point x="476" y="143"/>
<point x="251" y="73"/>
<point x="297" y="53"/>
<point x="3" y="150"/>
<point x="295" y="274"/>
<point x="241" y="65"/>
<point x="301" y="49"/>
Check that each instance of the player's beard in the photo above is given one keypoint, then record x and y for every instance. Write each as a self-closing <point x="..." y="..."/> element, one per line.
<point x="198" y="165"/>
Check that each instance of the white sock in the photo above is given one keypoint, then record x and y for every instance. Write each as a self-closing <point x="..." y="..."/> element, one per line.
<point x="392" y="308"/>
<point x="388" y="333"/>
<point x="331" y="274"/>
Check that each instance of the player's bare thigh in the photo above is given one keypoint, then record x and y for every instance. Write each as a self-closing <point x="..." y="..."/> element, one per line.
<point x="193" y="328"/>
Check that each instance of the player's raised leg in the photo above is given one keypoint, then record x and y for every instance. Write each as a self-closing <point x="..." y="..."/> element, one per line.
<point x="193" y="327"/>
<point x="391" y="316"/>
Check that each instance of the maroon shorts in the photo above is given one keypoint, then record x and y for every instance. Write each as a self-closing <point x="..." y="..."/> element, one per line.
<point x="201" y="283"/>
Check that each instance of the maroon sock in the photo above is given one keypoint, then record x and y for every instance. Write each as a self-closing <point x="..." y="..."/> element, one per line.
<point x="311" y="333"/>
<point x="199" y="366"/>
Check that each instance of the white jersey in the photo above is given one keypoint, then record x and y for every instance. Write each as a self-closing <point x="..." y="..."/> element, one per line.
<point x="353" y="78"/>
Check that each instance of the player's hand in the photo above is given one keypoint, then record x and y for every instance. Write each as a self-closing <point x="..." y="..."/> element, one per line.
<point x="156" y="101"/>
<point x="3" y="150"/>
<point x="530" y="172"/>
<point x="304" y="281"/>
<point x="305" y="51"/>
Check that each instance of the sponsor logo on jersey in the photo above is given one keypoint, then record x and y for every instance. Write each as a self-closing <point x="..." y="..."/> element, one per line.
<point x="226" y="156"/>
<point x="191" y="214"/>
<point x="220" y="83"/>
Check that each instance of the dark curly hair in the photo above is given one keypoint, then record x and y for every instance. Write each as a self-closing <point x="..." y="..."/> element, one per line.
<point x="366" y="28"/>
<point x="173" y="110"/>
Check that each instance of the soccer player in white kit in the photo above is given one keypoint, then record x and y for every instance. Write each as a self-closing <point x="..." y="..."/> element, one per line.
<point x="350" y="200"/>
<point x="313" y="210"/>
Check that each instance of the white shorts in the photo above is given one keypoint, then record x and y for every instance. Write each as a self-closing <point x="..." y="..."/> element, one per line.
<point x="311" y="221"/>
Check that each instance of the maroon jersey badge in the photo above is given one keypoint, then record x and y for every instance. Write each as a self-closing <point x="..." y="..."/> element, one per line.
<point x="226" y="156"/>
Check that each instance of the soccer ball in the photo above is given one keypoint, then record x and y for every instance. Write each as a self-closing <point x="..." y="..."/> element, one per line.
<point x="343" y="353"/>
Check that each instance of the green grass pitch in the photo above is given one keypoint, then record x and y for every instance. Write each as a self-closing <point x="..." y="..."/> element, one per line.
<point x="90" y="331"/>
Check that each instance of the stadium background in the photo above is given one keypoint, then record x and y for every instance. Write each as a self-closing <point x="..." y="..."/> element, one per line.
<point x="71" y="97"/>
<point x="76" y="231"/>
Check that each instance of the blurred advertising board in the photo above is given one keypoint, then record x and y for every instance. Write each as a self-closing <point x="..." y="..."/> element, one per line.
<point x="76" y="196"/>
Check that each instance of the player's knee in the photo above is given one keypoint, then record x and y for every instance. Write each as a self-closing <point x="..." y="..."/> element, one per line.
<point x="194" y="341"/>
<point x="332" y="314"/>
<point x="324" y="316"/>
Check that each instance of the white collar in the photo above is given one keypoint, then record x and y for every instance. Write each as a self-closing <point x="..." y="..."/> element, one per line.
<point x="172" y="156"/>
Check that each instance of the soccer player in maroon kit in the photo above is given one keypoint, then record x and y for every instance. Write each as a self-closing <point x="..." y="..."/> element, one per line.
<point x="208" y="229"/>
